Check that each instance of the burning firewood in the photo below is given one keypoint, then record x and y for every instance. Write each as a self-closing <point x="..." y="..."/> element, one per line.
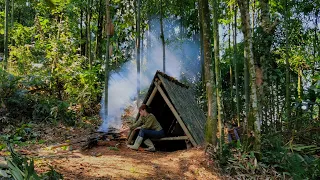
<point x="112" y="135"/>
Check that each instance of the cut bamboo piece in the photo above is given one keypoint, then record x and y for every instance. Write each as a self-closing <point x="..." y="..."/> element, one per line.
<point x="172" y="138"/>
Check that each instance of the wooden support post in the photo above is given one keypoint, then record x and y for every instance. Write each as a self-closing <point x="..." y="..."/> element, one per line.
<point x="153" y="94"/>
<point x="175" y="113"/>
<point x="132" y="133"/>
<point x="172" y="138"/>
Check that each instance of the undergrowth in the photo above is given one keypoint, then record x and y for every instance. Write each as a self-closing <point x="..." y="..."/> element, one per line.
<point x="276" y="160"/>
<point x="32" y="98"/>
<point x="21" y="167"/>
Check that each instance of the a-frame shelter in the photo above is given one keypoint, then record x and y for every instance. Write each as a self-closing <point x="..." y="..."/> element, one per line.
<point x="175" y="107"/>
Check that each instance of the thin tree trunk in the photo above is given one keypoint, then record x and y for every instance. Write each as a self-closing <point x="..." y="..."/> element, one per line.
<point x="253" y="115"/>
<point x="81" y="33"/>
<point x="99" y="31"/>
<point x="162" y="37"/>
<point x="149" y="41"/>
<point x="235" y="64"/>
<point x="316" y="49"/>
<point x="12" y="19"/>
<point x="272" y="98"/>
<point x="253" y="15"/>
<point x="89" y="34"/>
<point x="312" y="94"/>
<point x="278" y="117"/>
<point x="106" y="65"/>
<point x="230" y="71"/>
<point x="211" y="126"/>
<point x="142" y="54"/>
<point x="299" y="86"/>
<point x="217" y="70"/>
<point x="138" y="50"/>
<point x="201" y="44"/>
<point x="5" y="63"/>
<point x="288" y="109"/>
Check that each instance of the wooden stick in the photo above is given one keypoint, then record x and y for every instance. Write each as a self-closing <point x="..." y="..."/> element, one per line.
<point x="172" y="138"/>
<point x="60" y="145"/>
<point x="152" y="95"/>
<point x="176" y="115"/>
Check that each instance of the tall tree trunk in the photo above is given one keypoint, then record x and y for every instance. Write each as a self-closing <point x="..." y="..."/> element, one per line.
<point x="246" y="92"/>
<point x="253" y="15"/>
<point x="209" y="75"/>
<point x="299" y="85"/>
<point x="265" y="43"/>
<point x="201" y="44"/>
<point x="288" y="102"/>
<point x="235" y="64"/>
<point x="316" y="52"/>
<point x="217" y="70"/>
<point x="149" y="41"/>
<point x="12" y="19"/>
<point x="278" y="117"/>
<point x="162" y="37"/>
<point x="89" y="34"/>
<point x="106" y="65"/>
<point x="138" y="49"/>
<point x="253" y="115"/>
<point x="99" y="32"/>
<point x="142" y="54"/>
<point x="82" y="47"/>
<point x="5" y="63"/>
<point x="312" y="95"/>
<point x="231" y="71"/>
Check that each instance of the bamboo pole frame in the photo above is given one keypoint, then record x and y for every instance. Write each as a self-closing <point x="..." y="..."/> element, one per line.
<point x="172" y="138"/>
<point x="175" y="113"/>
<point x="154" y="91"/>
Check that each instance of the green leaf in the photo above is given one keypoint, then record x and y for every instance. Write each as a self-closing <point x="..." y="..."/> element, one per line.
<point x="3" y="173"/>
<point x="15" y="171"/>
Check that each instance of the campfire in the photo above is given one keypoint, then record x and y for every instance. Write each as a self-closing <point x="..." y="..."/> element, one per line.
<point x="111" y="137"/>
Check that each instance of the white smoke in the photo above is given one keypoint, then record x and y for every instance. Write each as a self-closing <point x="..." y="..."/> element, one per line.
<point x="123" y="84"/>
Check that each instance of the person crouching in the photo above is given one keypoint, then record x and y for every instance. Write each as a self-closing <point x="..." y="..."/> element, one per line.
<point x="149" y="128"/>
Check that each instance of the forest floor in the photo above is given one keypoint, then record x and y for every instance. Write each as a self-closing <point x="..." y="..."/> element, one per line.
<point x="111" y="159"/>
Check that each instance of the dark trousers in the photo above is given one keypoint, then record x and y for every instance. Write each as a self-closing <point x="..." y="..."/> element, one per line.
<point x="147" y="133"/>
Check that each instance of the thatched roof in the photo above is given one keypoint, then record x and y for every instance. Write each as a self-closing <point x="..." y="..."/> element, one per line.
<point x="183" y="100"/>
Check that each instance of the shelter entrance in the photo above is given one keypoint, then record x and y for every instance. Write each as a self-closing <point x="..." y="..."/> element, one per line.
<point x="175" y="108"/>
<point x="170" y="126"/>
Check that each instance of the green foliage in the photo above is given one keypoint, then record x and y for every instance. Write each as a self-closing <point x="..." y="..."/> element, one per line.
<point x="83" y="89"/>
<point x="22" y="168"/>
<point x="21" y="136"/>
<point x="297" y="164"/>
<point x="25" y="132"/>
<point x="20" y="101"/>
<point x="51" y="175"/>
<point x="8" y="85"/>
<point x="52" y="110"/>
<point x="243" y="163"/>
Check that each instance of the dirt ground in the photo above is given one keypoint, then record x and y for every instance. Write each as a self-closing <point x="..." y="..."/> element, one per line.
<point x="113" y="160"/>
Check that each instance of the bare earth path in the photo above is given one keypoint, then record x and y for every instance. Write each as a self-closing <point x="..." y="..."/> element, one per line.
<point x="113" y="160"/>
<point x="104" y="163"/>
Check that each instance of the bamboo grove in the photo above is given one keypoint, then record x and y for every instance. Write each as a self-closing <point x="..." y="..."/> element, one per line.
<point x="259" y="60"/>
